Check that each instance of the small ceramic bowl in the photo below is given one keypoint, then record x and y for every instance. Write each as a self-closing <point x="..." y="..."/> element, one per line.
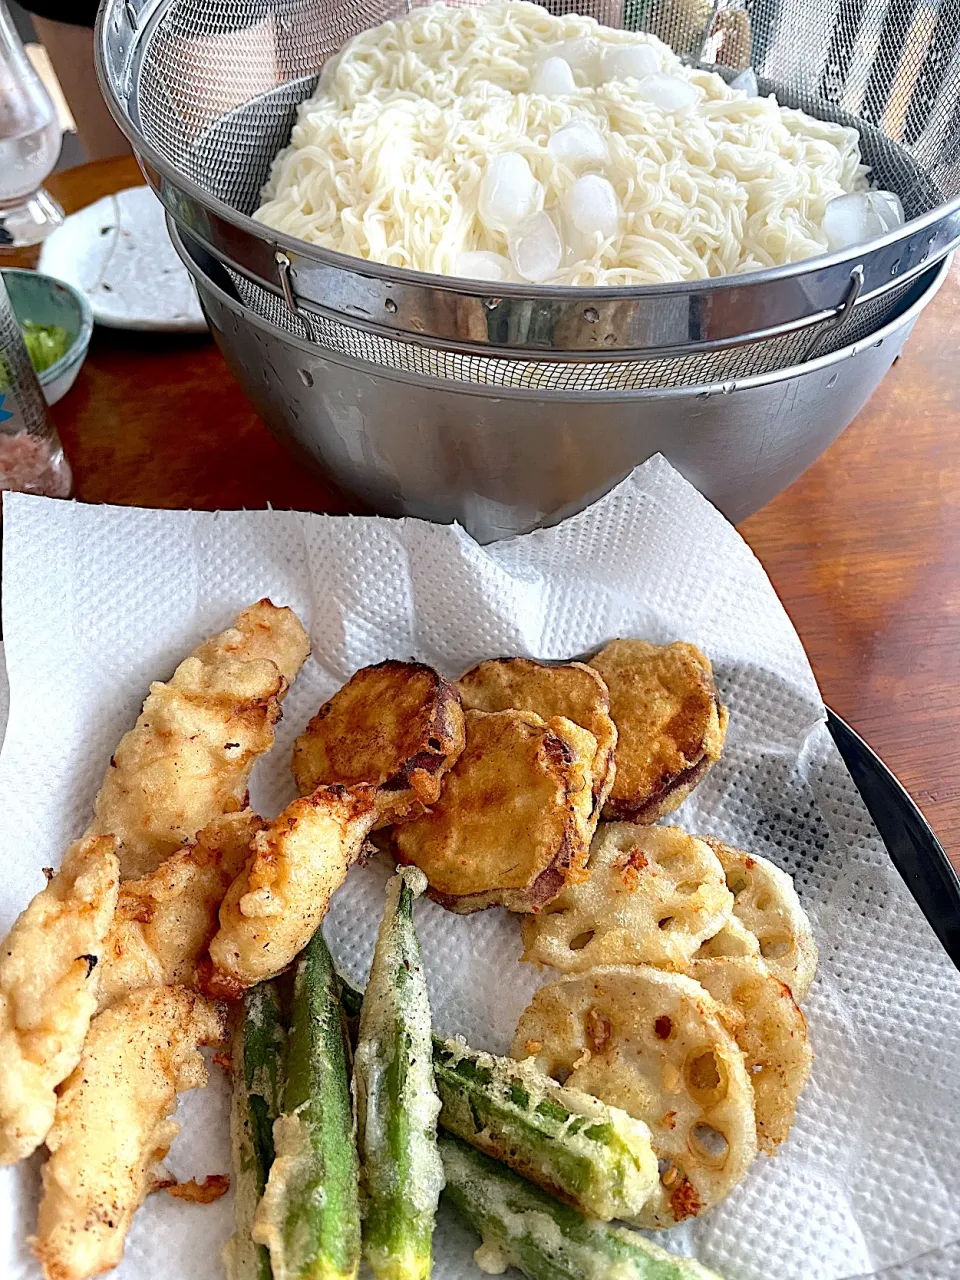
<point x="45" y="300"/>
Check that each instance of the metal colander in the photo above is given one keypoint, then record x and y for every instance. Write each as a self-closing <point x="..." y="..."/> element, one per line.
<point x="705" y="367"/>
<point x="207" y="91"/>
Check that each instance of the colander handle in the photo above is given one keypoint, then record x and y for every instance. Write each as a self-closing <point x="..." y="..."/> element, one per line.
<point x="843" y="314"/>
<point x="284" y="268"/>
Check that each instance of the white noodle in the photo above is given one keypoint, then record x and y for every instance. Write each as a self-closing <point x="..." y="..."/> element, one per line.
<point x="386" y="158"/>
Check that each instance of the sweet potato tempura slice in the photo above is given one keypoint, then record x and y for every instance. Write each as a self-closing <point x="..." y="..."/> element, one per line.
<point x="165" y="920"/>
<point x="113" y="1124"/>
<point x="49" y="970"/>
<point x="188" y="758"/>
<point x="276" y="904"/>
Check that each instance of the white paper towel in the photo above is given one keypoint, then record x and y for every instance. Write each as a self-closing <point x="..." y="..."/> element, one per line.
<point x="99" y="601"/>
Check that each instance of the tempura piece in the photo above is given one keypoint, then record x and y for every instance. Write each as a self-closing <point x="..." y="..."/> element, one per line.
<point x="671" y="725"/>
<point x="165" y="920"/>
<point x="189" y="756"/>
<point x="569" y="689"/>
<point x="772" y="1034"/>
<point x="658" y="1046"/>
<point x="653" y="896"/>
<point x="49" y="971"/>
<point x="276" y="904"/>
<point x="765" y="902"/>
<point x="512" y="826"/>
<point x="397" y="724"/>
<point x="112" y="1125"/>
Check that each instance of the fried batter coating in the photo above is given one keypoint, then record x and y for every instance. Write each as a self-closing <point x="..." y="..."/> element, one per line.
<point x="276" y="904"/>
<point x="189" y="756"/>
<point x="49" y="971"/>
<point x="765" y="902"/>
<point x="398" y="725"/>
<point x="569" y="689"/>
<point x="653" y="896"/>
<point x="772" y="1034"/>
<point x="658" y="1046"/>
<point x="510" y="828"/>
<point x="670" y="723"/>
<point x="165" y="921"/>
<point x="262" y="631"/>
<point x="112" y="1125"/>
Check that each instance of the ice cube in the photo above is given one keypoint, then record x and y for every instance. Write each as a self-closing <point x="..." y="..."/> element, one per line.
<point x="508" y="192"/>
<point x="861" y="216"/>
<point x="535" y="248"/>
<point x="578" y="142"/>
<point x="636" y="61"/>
<point x="553" y="78"/>
<point x="592" y="205"/>
<point x="481" y="264"/>
<point x="584" y="55"/>
<point x="746" y="82"/>
<point x="667" y="93"/>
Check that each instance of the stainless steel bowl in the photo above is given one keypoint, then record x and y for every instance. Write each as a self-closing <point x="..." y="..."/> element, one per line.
<point x="505" y="459"/>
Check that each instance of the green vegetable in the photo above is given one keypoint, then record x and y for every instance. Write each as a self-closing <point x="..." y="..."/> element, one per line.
<point x="46" y="343"/>
<point x="309" y="1217"/>
<point x="396" y="1098"/>
<point x="522" y="1226"/>
<point x="594" y="1156"/>
<point x="258" y="1048"/>
<point x="350" y="998"/>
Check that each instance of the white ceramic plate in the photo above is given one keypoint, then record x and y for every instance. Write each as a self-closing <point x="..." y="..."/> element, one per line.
<point x="118" y="254"/>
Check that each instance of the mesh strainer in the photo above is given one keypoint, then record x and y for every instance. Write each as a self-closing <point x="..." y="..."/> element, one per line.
<point x="207" y="91"/>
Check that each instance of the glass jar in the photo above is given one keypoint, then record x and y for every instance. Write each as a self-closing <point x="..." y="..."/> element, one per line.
<point x="29" y="144"/>
<point x="31" y="456"/>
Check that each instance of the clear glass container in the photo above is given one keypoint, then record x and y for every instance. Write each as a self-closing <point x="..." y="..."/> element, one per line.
<point x="31" y="455"/>
<point x="29" y="144"/>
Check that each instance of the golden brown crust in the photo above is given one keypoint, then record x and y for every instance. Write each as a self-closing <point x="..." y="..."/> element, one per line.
<point x="188" y="758"/>
<point x="49" y="975"/>
<point x="569" y="689"/>
<point x="671" y="725"/>
<point x="165" y="921"/>
<point x="397" y="725"/>
<point x="276" y="903"/>
<point x="657" y="1045"/>
<point x="507" y="830"/>
<point x="113" y="1124"/>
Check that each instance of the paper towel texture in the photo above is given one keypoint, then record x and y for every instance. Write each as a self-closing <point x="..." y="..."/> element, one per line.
<point x="97" y="602"/>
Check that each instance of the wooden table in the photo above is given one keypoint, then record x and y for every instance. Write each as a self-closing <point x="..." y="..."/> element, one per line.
<point x="864" y="549"/>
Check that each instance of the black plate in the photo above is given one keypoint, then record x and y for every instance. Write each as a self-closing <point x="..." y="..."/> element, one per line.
<point x="913" y="848"/>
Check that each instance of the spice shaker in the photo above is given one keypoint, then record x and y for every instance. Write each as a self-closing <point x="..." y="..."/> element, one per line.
<point x="31" y="456"/>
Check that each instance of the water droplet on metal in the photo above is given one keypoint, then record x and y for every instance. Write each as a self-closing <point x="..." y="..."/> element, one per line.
<point x="833" y="380"/>
<point x="416" y="323"/>
<point x="895" y="267"/>
<point x="491" y="303"/>
<point x="306" y="377"/>
<point x="591" y="315"/>
<point x="608" y="339"/>
<point x="391" y="306"/>
<point x="728" y="387"/>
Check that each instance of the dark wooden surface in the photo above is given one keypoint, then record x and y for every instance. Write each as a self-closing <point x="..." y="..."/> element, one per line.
<point x="864" y="549"/>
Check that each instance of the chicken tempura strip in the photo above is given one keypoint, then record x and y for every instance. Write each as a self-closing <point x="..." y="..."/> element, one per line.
<point x="49" y="971"/>
<point x="165" y="920"/>
<point x="275" y="905"/>
<point x="112" y="1124"/>
<point x="189" y="756"/>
